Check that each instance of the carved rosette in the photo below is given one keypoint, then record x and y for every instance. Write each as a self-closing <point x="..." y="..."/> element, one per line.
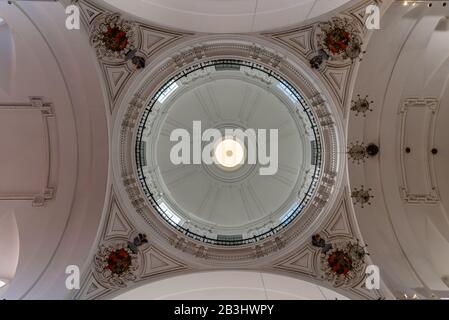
<point x="344" y="263"/>
<point x="116" y="264"/>
<point x="113" y="37"/>
<point x="340" y="39"/>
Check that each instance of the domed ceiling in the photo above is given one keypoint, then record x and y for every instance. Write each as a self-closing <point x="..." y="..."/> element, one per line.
<point x="169" y="217"/>
<point x="163" y="218"/>
<point x="233" y="203"/>
<point x="128" y="215"/>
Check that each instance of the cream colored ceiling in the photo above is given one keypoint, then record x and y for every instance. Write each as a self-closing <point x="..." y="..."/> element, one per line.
<point x="406" y="226"/>
<point x="231" y="285"/>
<point x="405" y="73"/>
<point x="226" y="16"/>
<point x="54" y="149"/>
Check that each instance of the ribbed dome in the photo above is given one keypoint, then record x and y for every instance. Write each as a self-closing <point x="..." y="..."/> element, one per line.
<point x="210" y="199"/>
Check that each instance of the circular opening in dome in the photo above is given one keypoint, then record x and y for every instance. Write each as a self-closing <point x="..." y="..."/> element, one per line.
<point x="229" y="154"/>
<point x="229" y="200"/>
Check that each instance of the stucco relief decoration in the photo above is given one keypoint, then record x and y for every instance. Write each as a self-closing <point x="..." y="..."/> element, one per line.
<point x="319" y="242"/>
<point x="338" y="40"/>
<point x="116" y="264"/>
<point x="344" y="263"/>
<point x="113" y="37"/>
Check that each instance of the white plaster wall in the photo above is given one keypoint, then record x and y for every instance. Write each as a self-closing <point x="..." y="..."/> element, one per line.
<point x="58" y="65"/>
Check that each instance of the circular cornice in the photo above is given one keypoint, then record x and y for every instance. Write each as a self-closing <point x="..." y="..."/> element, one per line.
<point x="252" y="50"/>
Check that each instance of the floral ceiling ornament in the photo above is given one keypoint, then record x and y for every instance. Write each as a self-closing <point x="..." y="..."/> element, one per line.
<point x="113" y="37"/>
<point x="362" y="196"/>
<point x="344" y="263"/>
<point x="340" y="39"/>
<point x="116" y="264"/>
<point x="361" y="105"/>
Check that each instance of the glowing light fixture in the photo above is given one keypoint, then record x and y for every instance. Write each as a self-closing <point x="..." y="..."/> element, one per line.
<point x="229" y="154"/>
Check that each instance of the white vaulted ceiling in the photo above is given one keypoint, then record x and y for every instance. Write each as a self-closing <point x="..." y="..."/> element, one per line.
<point x="226" y="16"/>
<point x="53" y="157"/>
<point x="405" y="73"/>
<point x="68" y="160"/>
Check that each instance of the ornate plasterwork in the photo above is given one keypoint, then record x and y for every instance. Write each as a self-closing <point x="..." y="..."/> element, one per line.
<point x="123" y="47"/>
<point x="124" y="257"/>
<point x="113" y="37"/>
<point x="169" y="252"/>
<point x="311" y="259"/>
<point x="238" y="49"/>
<point x="344" y="263"/>
<point x="426" y="191"/>
<point x="340" y="38"/>
<point x="46" y="110"/>
<point x="334" y="64"/>
<point x="116" y="264"/>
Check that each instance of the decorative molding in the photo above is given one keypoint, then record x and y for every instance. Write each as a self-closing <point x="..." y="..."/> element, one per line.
<point x="124" y="257"/>
<point x="123" y="47"/>
<point x="48" y="116"/>
<point x="116" y="264"/>
<point x="116" y="77"/>
<point x="161" y="256"/>
<point x="118" y="224"/>
<point x="112" y="37"/>
<point x="303" y="262"/>
<point x="344" y="263"/>
<point x="155" y="262"/>
<point x="340" y="225"/>
<point x="427" y="109"/>
<point x="314" y="43"/>
<point x="88" y="10"/>
<point x="204" y="51"/>
<point x="338" y="77"/>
